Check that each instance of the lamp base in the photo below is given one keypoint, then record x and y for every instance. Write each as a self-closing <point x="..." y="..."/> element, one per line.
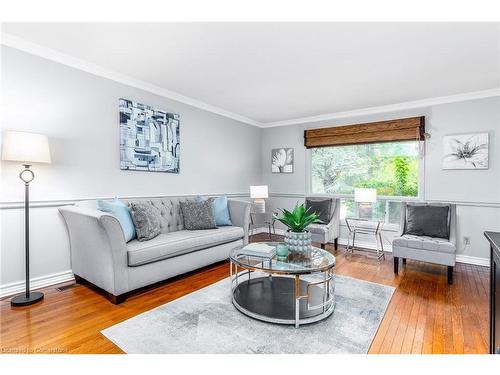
<point x="22" y="300"/>
<point x="259" y="206"/>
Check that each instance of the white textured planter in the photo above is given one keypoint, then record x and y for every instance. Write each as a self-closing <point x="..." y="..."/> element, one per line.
<point x="298" y="241"/>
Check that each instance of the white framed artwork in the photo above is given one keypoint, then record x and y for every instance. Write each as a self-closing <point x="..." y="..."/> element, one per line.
<point x="282" y="160"/>
<point x="466" y="151"/>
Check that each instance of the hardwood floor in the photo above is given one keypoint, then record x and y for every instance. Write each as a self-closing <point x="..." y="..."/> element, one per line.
<point x="425" y="315"/>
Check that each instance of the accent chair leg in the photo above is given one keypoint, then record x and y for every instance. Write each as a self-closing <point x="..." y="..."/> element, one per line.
<point x="323" y="246"/>
<point x="116" y="300"/>
<point x="404" y="260"/>
<point x="336" y="243"/>
<point x="450" y="275"/>
<point x="396" y="265"/>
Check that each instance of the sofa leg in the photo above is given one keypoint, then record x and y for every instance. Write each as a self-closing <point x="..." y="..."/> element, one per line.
<point x="404" y="260"/>
<point x="116" y="300"/>
<point x="450" y="275"/>
<point x="323" y="246"/>
<point x="396" y="265"/>
<point x="336" y="243"/>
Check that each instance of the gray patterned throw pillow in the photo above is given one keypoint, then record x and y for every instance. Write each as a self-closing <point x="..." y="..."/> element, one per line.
<point x="198" y="215"/>
<point x="146" y="220"/>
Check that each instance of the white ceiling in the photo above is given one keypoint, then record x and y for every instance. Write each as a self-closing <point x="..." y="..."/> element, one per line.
<point x="272" y="72"/>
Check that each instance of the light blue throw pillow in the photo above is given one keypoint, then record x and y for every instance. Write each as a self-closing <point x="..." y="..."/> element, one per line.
<point x="119" y="210"/>
<point x="220" y="209"/>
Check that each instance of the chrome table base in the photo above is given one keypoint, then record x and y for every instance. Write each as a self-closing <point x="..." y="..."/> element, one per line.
<point x="282" y="299"/>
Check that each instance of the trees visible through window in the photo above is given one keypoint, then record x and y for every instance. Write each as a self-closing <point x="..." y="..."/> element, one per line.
<point x="391" y="168"/>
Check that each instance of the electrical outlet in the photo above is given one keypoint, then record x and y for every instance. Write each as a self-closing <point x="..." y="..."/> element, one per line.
<point x="467" y="240"/>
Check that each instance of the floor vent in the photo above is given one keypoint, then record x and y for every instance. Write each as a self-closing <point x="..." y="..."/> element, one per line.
<point x="65" y="287"/>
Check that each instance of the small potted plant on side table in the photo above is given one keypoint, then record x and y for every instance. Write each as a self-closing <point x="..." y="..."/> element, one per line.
<point x="297" y="238"/>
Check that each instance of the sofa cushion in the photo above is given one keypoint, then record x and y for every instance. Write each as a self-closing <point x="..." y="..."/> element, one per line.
<point x="427" y="220"/>
<point x="198" y="215"/>
<point x="425" y="243"/>
<point x="146" y="220"/>
<point x="169" y="245"/>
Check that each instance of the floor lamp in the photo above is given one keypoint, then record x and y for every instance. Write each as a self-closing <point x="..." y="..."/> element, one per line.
<point x="26" y="148"/>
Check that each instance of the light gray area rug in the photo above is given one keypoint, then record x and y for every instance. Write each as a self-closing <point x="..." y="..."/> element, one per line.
<point x="205" y="321"/>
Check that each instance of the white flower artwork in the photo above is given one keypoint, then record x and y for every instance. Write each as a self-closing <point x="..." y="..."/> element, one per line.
<point x="282" y="160"/>
<point x="465" y="151"/>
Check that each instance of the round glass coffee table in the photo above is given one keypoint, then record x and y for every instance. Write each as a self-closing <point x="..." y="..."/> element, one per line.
<point x="298" y="289"/>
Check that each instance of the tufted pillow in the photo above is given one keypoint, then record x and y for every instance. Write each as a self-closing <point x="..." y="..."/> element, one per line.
<point x="198" y="215"/>
<point x="146" y="220"/>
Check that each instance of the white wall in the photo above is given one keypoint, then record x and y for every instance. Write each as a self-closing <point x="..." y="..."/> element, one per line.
<point x="477" y="193"/>
<point x="79" y="113"/>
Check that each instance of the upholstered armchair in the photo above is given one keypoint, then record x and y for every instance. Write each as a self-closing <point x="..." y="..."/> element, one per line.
<point x="329" y="232"/>
<point x="425" y="248"/>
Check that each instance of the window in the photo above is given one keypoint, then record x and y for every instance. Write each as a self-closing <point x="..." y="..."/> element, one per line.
<point x="392" y="168"/>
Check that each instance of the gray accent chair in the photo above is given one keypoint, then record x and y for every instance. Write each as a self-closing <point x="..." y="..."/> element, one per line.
<point x="424" y="248"/>
<point x="327" y="233"/>
<point x="100" y="255"/>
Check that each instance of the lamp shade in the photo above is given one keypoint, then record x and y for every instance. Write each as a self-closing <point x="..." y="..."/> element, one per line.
<point x="25" y="147"/>
<point x="258" y="191"/>
<point x="364" y="195"/>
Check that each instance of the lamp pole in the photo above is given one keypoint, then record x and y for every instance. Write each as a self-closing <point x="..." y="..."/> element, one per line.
<point x="28" y="298"/>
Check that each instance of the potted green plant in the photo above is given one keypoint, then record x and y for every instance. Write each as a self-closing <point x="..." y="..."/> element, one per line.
<point x="297" y="238"/>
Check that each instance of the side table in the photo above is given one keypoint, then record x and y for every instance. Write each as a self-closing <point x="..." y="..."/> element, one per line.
<point x="258" y="220"/>
<point x="365" y="226"/>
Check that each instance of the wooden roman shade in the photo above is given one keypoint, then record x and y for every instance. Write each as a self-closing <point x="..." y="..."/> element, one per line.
<point x="405" y="129"/>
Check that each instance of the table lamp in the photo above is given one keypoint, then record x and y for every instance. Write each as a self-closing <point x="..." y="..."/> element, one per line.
<point x="365" y="197"/>
<point x="258" y="193"/>
<point x="26" y="148"/>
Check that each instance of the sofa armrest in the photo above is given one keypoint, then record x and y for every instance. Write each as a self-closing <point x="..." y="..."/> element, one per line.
<point x="240" y="215"/>
<point x="98" y="248"/>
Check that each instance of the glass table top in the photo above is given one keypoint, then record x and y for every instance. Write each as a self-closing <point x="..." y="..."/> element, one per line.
<point x="313" y="260"/>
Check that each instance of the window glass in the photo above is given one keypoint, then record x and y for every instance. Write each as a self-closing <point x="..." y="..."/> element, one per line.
<point x="391" y="168"/>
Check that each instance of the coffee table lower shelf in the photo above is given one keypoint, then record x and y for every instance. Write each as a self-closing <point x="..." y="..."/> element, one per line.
<point x="273" y="299"/>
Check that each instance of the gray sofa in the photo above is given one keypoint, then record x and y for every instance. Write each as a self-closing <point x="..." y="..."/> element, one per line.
<point x="327" y="233"/>
<point x="424" y="248"/>
<point x="100" y="255"/>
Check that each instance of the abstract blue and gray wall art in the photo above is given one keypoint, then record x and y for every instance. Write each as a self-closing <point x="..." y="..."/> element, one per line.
<point x="149" y="138"/>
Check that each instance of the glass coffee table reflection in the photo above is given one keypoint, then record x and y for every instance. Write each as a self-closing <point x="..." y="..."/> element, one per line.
<point x="297" y="289"/>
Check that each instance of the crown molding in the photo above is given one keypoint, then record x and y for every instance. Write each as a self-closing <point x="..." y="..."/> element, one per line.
<point x="62" y="58"/>
<point x="390" y="108"/>
<point x="86" y="66"/>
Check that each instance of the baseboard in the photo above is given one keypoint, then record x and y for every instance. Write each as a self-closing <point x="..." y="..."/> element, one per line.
<point x="36" y="283"/>
<point x="467" y="259"/>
